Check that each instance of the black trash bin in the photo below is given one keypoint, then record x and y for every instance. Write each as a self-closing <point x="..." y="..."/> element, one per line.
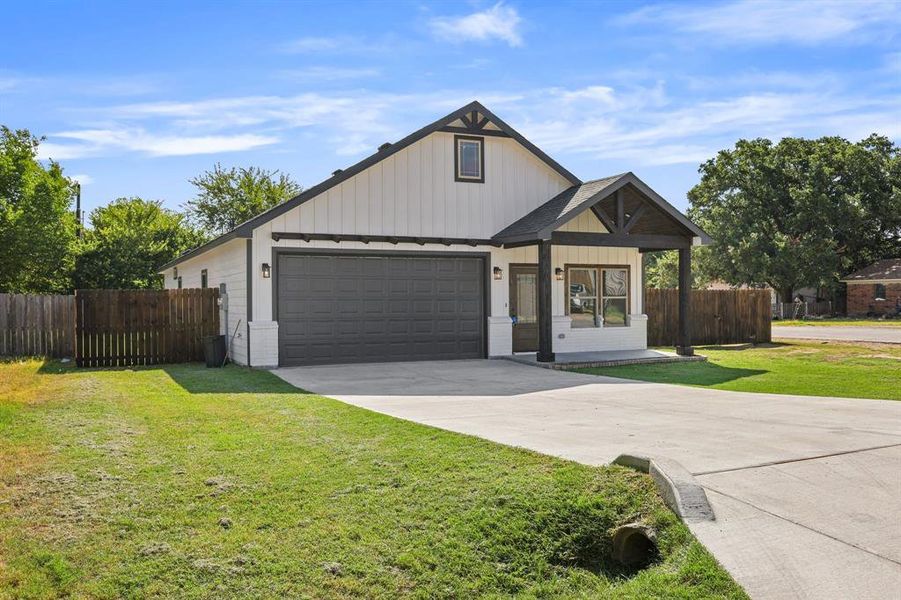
<point x="214" y="350"/>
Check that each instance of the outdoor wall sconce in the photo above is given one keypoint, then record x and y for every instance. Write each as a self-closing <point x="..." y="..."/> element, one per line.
<point x="498" y="273"/>
<point x="558" y="274"/>
<point x="267" y="271"/>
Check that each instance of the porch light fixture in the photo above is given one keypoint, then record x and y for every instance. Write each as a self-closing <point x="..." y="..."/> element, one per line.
<point x="267" y="271"/>
<point x="558" y="274"/>
<point x="498" y="273"/>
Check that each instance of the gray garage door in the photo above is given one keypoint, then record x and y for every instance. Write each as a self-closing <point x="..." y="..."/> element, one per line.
<point x="349" y="308"/>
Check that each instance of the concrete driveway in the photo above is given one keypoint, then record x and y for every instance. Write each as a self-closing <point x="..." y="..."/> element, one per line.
<point x="885" y="335"/>
<point x="806" y="491"/>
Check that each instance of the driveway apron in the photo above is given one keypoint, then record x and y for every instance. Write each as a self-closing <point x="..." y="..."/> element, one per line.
<point x="806" y="490"/>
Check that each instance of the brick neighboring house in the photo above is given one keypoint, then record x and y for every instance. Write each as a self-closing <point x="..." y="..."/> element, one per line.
<point x="875" y="289"/>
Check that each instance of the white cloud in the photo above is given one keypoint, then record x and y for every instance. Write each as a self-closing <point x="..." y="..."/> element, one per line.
<point x="892" y="63"/>
<point x="694" y="131"/>
<point x="132" y="85"/>
<point x="321" y="73"/>
<point x="82" y="179"/>
<point x="313" y="44"/>
<point x="103" y="142"/>
<point x="764" y="21"/>
<point x="338" y="44"/>
<point x="636" y="123"/>
<point x="498" y="22"/>
<point x="8" y="84"/>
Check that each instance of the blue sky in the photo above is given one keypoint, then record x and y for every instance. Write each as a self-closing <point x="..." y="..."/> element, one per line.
<point x="135" y="99"/>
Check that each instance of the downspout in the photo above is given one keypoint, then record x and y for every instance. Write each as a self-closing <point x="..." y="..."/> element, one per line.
<point x="249" y="318"/>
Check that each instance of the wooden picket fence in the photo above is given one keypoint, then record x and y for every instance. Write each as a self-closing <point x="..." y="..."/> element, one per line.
<point x="143" y="327"/>
<point x="37" y="325"/>
<point x="718" y="316"/>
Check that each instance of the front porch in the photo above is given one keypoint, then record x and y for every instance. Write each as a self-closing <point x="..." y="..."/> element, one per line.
<point x="615" y="212"/>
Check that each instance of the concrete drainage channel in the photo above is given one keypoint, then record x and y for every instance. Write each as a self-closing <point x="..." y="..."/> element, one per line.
<point x="680" y="491"/>
<point x="635" y="544"/>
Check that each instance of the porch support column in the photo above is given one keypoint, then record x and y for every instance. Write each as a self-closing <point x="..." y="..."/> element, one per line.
<point x="683" y="348"/>
<point x="545" y="321"/>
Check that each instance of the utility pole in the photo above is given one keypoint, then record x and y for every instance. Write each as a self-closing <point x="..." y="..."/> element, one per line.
<point x="79" y="225"/>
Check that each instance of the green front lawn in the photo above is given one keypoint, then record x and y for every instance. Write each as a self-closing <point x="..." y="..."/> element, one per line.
<point x="190" y="482"/>
<point x="813" y="368"/>
<point x="842" y="322"/>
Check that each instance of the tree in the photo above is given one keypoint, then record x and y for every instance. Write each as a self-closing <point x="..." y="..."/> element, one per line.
<point x="128" y="240"/>
<point x="37" y="228"/>
<point x="662" y="269"/>
<point x="228" y="197"/>
<point x="799" y="212"/>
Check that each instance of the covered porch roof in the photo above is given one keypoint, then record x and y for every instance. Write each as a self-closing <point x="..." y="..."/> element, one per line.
<point x="634" y="216"/>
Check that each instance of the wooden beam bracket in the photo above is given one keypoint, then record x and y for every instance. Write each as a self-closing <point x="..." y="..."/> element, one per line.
<point x="633" y="218"/>
<point x="602" y="215"/>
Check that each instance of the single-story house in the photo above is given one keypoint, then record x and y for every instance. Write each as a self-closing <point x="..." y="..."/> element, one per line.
<point x="462" y="240"/>
<point x="875" y="289"/>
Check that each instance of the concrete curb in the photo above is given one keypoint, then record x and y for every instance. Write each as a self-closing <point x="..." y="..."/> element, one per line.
<point x="680" y="491"/>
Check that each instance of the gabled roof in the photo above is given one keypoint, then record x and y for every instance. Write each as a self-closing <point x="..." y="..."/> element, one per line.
<point x="245" y="230"/>
<point x="882" y="270"/>
<point x="568" y="204"/>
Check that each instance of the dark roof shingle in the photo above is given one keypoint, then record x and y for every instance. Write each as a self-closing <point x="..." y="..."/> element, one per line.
<point x="889" y="268"/>
<point x="556" y="208"/>
<point x="539" y="223"/>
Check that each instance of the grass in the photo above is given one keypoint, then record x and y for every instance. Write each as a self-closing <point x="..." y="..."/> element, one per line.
<point x="843" y="322"/>
<point x="192" y="482"/>
<point x="814" y="368"/>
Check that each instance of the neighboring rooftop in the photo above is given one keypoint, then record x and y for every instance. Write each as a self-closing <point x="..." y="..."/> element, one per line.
<point x="882" y="270"/>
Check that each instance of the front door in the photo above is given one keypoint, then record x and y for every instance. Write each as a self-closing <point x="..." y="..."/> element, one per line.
<point x="524" y="307"/>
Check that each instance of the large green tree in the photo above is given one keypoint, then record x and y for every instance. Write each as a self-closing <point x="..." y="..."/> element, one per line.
<point x="128" y="240"/>
<point x="228" y="197"/>
<point x="37" y="227"/>
<point x="798" y="212"/>
<point x="662" y="269"/>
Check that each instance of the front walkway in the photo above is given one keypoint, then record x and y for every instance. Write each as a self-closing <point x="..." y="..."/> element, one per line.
<point x="806" y="490"/>
<point x="602" y="358"/>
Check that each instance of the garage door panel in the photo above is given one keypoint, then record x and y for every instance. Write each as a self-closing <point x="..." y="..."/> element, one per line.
<point x="373" y="286"/>
<point x="373" y="308"/>
<point x="317" y="328"/>
<point x="398" y="287"/>
<point x="373" y="267"/>
<point x="316" y="266"/>
<point x="375" y="327"/>
<point x="398" y="327"/>
<point x="344" y="308"/>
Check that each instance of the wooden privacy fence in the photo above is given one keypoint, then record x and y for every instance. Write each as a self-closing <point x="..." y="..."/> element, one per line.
<point x="717" y="316"/>
<point x="37" y="325"/>
<point x="143" y="327"/>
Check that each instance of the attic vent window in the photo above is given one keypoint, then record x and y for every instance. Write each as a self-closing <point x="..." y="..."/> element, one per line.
<point x="469" y="159"/>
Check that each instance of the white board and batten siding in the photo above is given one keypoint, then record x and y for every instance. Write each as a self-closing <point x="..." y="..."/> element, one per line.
<point x="413" y="193"/>
<point x="226" y="264"/>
